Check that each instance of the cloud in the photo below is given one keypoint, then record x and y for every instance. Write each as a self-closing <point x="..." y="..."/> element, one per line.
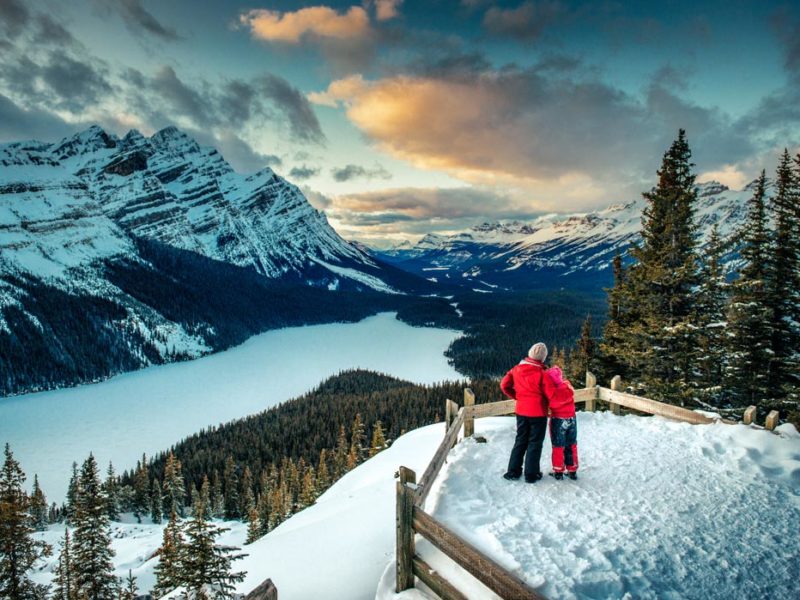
<point x="17" y="123"/>
<point x="313" y="21"/>
<point x="51" y="32"/>
<point x="184" y="100"/>
<point x="351" y="171"/>
<point x="14" y="17"/>
<point x="387" y="9"/>
<point x="304" y="172"/>
<point x="551" y="128"/>
<point x="303" y="123"/>
<point x="139" y="20"/>
<point x="525" y="22"/>
<point x="241" y="155"/>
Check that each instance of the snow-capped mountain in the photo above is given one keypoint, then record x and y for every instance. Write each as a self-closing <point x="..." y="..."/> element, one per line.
<point x="554" y="250"/>
<point x="141" y="250"/>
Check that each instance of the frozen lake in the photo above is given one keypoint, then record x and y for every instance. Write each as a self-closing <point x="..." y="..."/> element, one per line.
<point x="149" y="410"/>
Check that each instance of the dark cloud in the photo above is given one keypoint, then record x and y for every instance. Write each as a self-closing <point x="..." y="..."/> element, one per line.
<point x="14" y="17"/>
<point x="236" y="101"/>
<point x="17" y="123"/>
<point x="51" y="32"/>
<point x="304" y="172"/>
<point x="294" y="106"/>
<point x="76" y="83"/>
<point x="351" y="171"/>
<point x="139" y="20"/>
<point x="184" y="100"/>
<point x="525" y="22"/>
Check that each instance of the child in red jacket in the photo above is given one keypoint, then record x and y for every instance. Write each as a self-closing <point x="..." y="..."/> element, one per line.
<point x="563" y="426"/>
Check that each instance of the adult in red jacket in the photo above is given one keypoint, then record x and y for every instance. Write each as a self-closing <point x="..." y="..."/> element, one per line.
<point x="527" y="384"/>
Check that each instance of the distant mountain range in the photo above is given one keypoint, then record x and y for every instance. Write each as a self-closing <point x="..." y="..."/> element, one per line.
<point x="116" y="253"/>
<point x="554" y="251"/>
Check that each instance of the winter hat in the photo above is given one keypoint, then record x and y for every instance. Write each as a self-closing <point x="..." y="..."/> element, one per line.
<point x="556" y="374"/>
<point x="538" y="352"/>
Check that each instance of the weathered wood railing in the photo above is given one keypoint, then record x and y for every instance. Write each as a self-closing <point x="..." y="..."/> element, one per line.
<point x="411" y="495"/>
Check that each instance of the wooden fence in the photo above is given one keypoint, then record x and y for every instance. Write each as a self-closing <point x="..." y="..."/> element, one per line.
<point x="411" y="518"/>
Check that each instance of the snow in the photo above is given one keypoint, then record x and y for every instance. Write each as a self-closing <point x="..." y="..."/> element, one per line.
<point x="363" y="278"/>
<point x="660" y="510"/>
<point x="149" y="410"/>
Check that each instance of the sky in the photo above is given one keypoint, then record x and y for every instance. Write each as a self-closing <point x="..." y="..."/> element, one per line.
<point x="403" y="117"/>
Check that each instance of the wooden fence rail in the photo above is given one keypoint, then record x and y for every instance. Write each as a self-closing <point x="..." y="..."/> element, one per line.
<point x="413" y="520"/>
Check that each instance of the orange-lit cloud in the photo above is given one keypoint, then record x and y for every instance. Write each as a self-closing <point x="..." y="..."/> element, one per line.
<point x="729" y="175"/>
<point x="319" y="21"/>
<point x="387" y="9"/>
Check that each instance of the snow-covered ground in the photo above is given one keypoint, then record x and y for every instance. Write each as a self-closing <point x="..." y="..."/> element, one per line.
<point x="660" y="510"/>
<point x="149" y="410"/>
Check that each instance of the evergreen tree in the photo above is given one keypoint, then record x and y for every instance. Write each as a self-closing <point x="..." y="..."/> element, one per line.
<point x="340" y="454"/>
<point x="18" y="549"/>
<point x="205" y="565"/>
<point x="64" y="579"/>
<point x="92" y="553"/>
<point x="231" y="479"/>
<point x="358" y="440"/>
<point x="248" y="500"/>
<point x="784" y="282"/>
<point x="38" y="507"/>
<point x="378" y="439"/>
<point x="217" y="497"/>
<point x="615" y="341"/>
<point x="72" y="494"/>
<point x="173" y="488"/>
<point x="254" y="527"/>
<point x="111" y="490"/>
<point x="156" y="501"/>
<point x="583" y="357"/>
<point x="141" y="490"/>
<point x="168" y="570"/>
<point x="130" y="590"/>
<point x="308" y="491"/>
<point x="712" y="302"/>
<point x="205" y="498"/>
<point x="323" y="471"/>
<point x="656" y="338"/>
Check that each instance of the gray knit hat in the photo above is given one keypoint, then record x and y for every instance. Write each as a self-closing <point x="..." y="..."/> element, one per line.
<point x="538" y="351"/>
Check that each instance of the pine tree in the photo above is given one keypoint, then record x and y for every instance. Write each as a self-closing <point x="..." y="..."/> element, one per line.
<point x="18" y="549"/>
<point x="64" y="579"/>
<point x="358" y="439"/>
<point x="92" y="553"/>
<point x="583" y="357"/>
<point x="248" y="500"/>
<point x="111" y="490"/>
<point x="323" y="471"/>
<point x="231" y="480"/>
<point x="217" y="497"/>
<point x="615" y="341"/>
<point x="156" y="501"/>
<point x="712" y="302"/>
<point x="254" y="527"/>
<point x="173" y="487"/>
<point x="38" y="509"/>
<point x="168" y="570"/>
<point x="378" y="439"/>
<point x="141" y="490"/>
<point x="73" y="491"/>
<point x="340" y="455"/>
<point x="205" y="498"/>
<point x="206" y="566"/>
<point x="784" y="282"/>
<point x="308" y="492"/>
<point x="654" y="338"/>
<point x="130" y="590"/>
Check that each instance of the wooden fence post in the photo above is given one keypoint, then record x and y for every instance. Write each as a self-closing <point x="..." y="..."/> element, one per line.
<point x="448" y="414"/>
<point x="772" y="420"/>
<point x="591" y="382"/>
<point x="405" y="548"/>
<point x="616" y="385"/>
<point x="750" y="415"/>
<point x="469" y="420"/>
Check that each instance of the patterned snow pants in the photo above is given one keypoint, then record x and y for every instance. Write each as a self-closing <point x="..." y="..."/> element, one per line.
<point x="564" y="438"/>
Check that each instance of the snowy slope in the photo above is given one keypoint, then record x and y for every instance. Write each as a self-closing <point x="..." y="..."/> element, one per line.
<point x="553" y="250"/>
<point x="661" y="510"/>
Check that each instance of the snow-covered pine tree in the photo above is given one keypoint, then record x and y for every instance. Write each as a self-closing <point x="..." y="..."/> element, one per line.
<point x="784" y="282"/>
<point x="205" y="498"/>
<point x="378" y="443"/>
<point x="18" y="549"/>
<point x="248" y="499"/>
<point x="747" y="372"/>
<point x="111" y="490"/>
<point x="231" y="480"/>
<point x="92" y="553"/>
<point x="340" y="454"/>
<point x="168" y="569"/>
<point x="712" y="302"/>
<point x="129" y="591"/>
<point x="173" y="486"/>
<point x="156" y="501"/>
<point x="205" y="565"/>
<point x="37" y="506"/>
<point x="72" y="494"/>
<point x="254" y="528"/>
<point x="64" y="579"/>
<point x="217" y="497"/>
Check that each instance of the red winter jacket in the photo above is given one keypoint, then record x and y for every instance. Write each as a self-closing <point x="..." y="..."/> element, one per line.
<point x="562" y="400"/>
<point x="527" y="384"/>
